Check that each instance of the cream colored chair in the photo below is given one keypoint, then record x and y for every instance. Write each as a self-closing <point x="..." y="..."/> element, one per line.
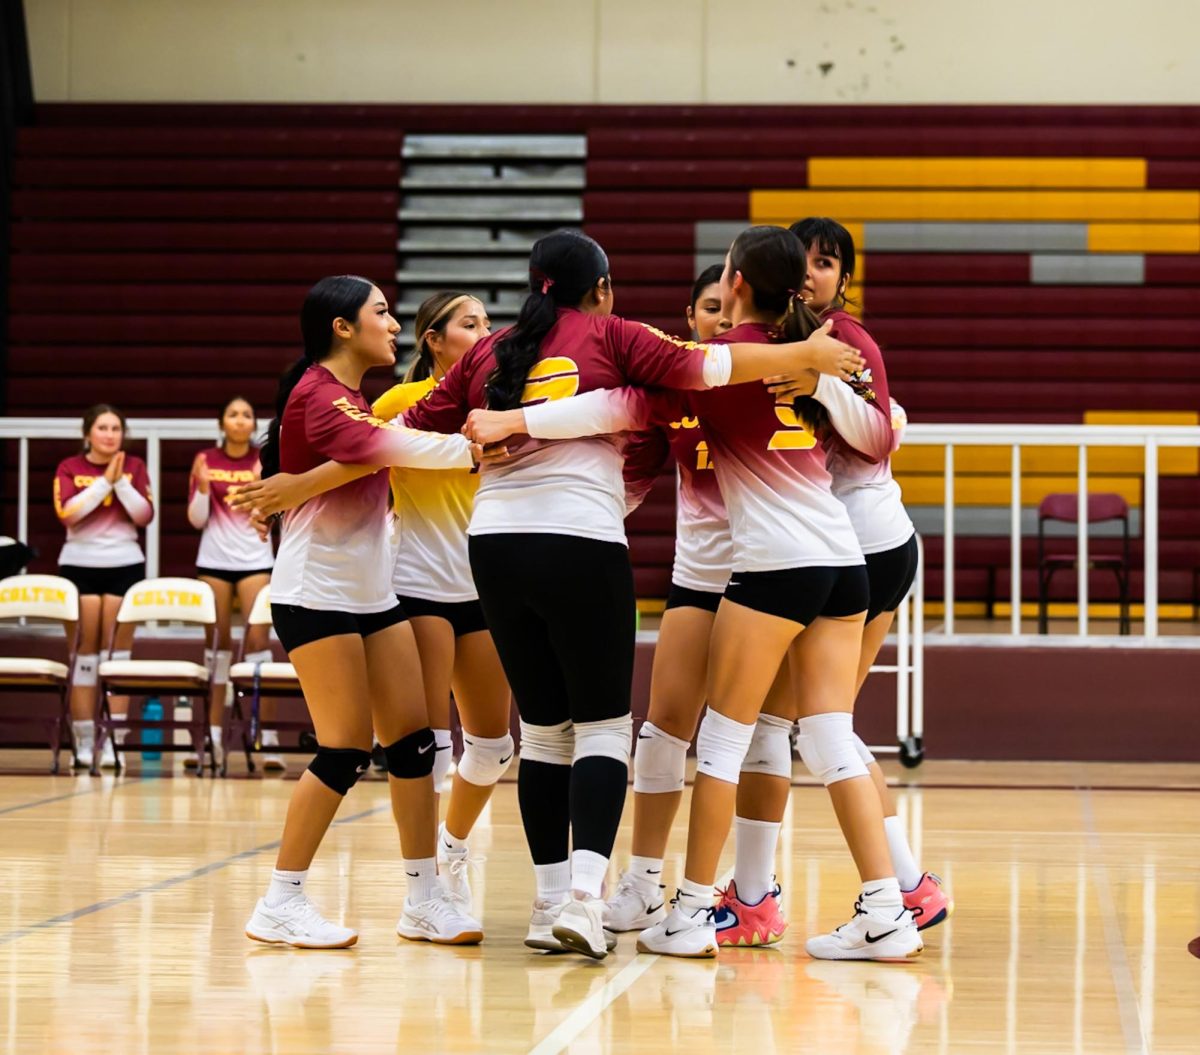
<point x="251" y="682"/>
<point x="165" y="601"/>
<point x="50" y="598"/>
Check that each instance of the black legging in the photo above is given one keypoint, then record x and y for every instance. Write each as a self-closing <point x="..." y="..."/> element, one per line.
<point x="561" y="612"/>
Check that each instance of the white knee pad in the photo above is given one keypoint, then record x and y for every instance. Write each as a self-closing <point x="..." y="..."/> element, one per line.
<point x="610" y="738"/>
<point x="553" y="744"/>
<point x="660" y="761"/>
<point x="85" y="669"/>
<point x="864" y="752"/>
<point x="262" y="656"/>
<point x="443" y="755"/>
<point x="721" y="746"/>
<point x="827" y="747"/>
<point x="485" y="760"/>
<point x="770" y="748"/>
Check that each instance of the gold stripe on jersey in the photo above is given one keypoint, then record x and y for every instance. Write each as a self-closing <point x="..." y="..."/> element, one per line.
<point x="794" y="436"/>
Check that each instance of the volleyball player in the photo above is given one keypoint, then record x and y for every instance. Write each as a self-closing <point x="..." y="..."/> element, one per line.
<point x="335" y="613"/>
<point x="432" y="579"/>
<point x="232" y="559"/>
<point x="859" y="460"/>
<point x="799" y="590"/>
<point x="548" y="553"/>
<point x="102" y="497"/>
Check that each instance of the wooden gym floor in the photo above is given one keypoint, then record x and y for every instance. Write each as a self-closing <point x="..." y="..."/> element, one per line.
<point x="1078" y="889"/>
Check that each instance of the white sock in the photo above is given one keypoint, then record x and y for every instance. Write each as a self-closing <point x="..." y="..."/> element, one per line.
<point x="270" y="738"/>
<point x="452" y="844"/>
<point x="695" y="897"/>
<point x="883" y="895"/>
<point x="588" y="870"/>
<point x="907" y="870"/>
<point x="423" y="880"/>
<point x="755" y="863"/>
<point x="553" y="881"/>
<point x="284" y="885"/>
<point x="646" y="872"/>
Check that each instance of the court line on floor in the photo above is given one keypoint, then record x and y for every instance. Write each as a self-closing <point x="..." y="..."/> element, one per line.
<point x="71" y="795"/>
<point x="1118" y="962"/>
<point x="163" y="884"/>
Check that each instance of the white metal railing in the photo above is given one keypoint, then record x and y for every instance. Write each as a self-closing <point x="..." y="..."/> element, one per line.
<point x="1151" y="438"/>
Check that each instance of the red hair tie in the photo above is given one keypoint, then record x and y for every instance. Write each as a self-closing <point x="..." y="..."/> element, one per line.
<point x="547" y="282"/>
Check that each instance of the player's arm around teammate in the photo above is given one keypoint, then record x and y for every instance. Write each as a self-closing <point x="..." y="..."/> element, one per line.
<point x="102" y="497"/>
<point x="334" y="612"/>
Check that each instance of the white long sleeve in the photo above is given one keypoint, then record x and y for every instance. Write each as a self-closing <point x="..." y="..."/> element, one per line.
<point x="597" y="413"/>
<point x="198" y="510"/>
<point x="140" y="511"/>
<point x="861" y="425"/>
<point x="86" y="501"/>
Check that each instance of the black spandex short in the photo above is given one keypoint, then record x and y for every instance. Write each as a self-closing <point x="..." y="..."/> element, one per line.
<point x="686" y="597"/>
<point x="296" y="626"/>
<point x="112" y="581"/>
<point x="802" y="594"/>
<point x="890" y="574"/>
<point x="465" y="617"/>
<point x="231" y="577"/>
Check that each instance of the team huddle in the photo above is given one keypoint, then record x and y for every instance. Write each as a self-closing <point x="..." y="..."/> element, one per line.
<point x="493" y="560"/>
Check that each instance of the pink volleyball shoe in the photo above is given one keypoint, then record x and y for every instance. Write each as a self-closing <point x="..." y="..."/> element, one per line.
<point x="928" y="902"/>
<point x="742" y="925"/>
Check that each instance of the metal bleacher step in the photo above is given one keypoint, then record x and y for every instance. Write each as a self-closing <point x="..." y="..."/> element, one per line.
<point x="498" y="208"/>
<point x="494" y="146"/>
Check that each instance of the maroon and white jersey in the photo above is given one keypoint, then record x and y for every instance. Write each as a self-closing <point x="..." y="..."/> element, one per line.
<point x="336" y="549"/>
<point x="703" y="541"/>
<point x="868" y="425"/>
<point x="102" y="521"/>
<point x="228" y="541"/>
<point x="572" y="487"/>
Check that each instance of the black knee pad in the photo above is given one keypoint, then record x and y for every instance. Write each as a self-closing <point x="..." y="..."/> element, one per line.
<point x="339" y="768"/>
<point x="412" y="756"/>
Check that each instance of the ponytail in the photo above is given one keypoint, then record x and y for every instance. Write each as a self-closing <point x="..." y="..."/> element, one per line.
<point x="268" y="456"/>
<point x="333" y="298"/>
<point x="564" y="267"/>
<point x="774" y="265"/>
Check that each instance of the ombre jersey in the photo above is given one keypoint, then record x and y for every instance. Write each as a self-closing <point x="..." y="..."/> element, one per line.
<point x="336" y="551"/>
<point x="572" y="487"/>
<point x="228" y="541"/>
<point x="771" y="468"/>
<point x="432" y="509"/>
<point x="858" y="452"/>
<point x="102" y="521"/>
<point x="703" y="542"/>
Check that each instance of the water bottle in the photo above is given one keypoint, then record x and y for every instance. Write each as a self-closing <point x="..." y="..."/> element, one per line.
<point x="152" y="711"/>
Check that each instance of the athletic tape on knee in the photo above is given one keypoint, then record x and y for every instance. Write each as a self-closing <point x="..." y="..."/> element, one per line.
<point x="411" y="757"/>
<point x="827" y="747"/>
<point x="721" y="746"/>
<point x="221" y="669"/>
<point x="485" y="760"/>
<point x="85" y="669"/>
<point x="660" y="761"/>
<point x="339" y="768"/>
<point x="443" y="755"/>
<point x="864" y="752"/>
<point x="609" y="738"/>
<point x="552" y="744"/>
<point x="770" y="750"/>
